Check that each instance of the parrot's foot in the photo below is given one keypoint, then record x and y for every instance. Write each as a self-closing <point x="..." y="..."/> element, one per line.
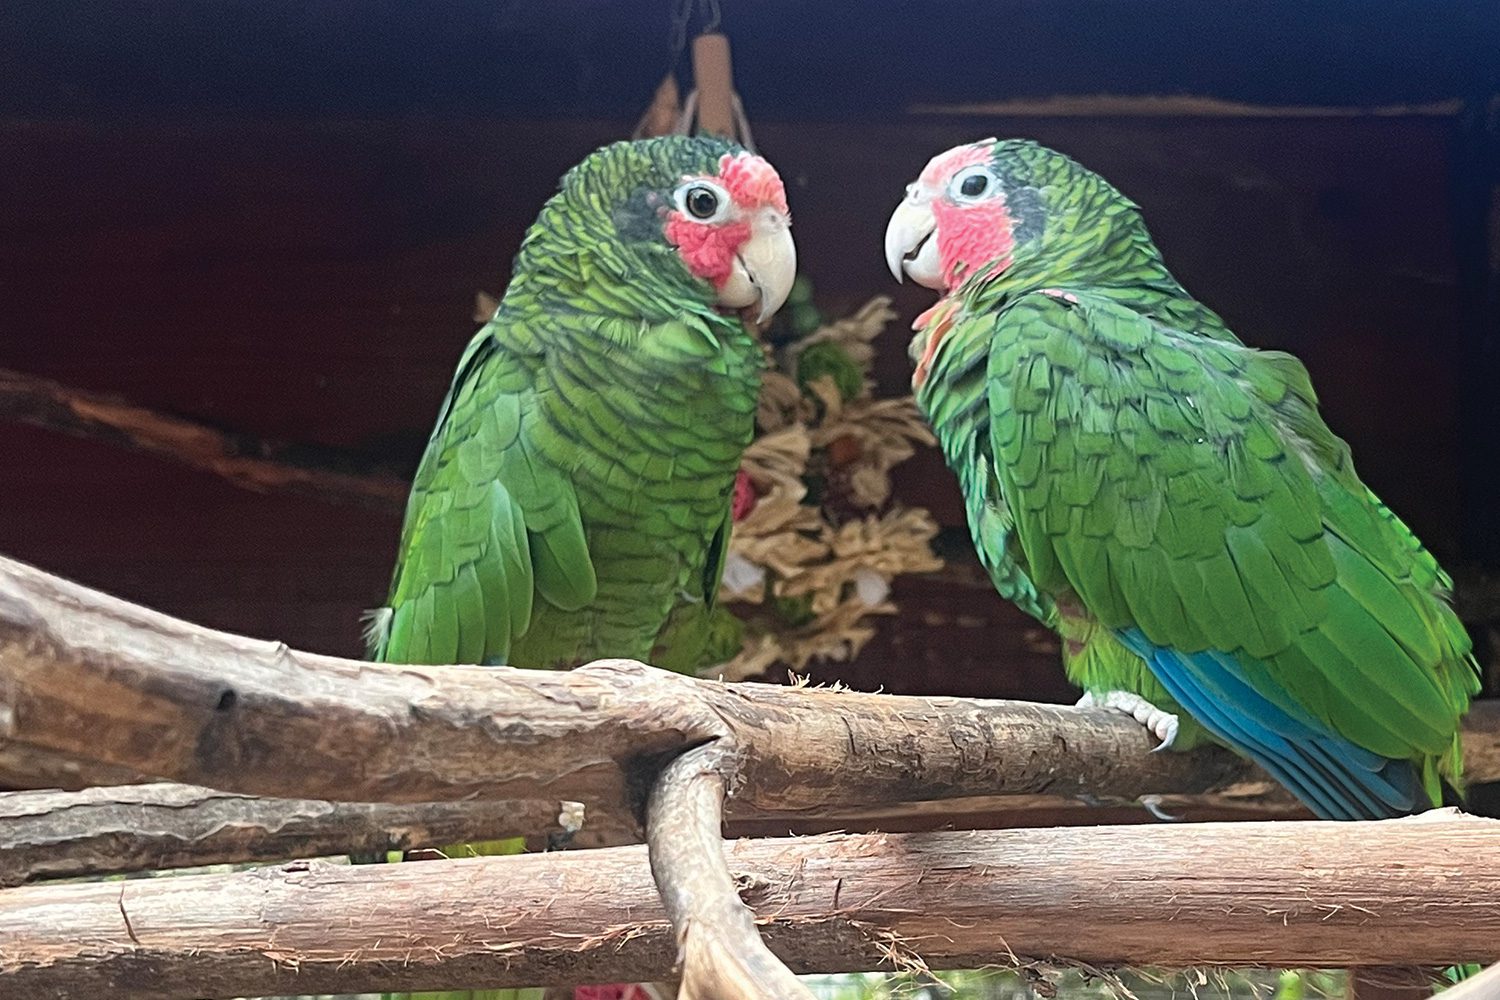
<point x="1162" y="724"/>
<point x="570" y="818"/>
<point x="1152" y="804"/>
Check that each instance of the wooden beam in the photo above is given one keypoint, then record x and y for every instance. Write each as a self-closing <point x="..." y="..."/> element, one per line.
<point x="1298" y="894"/>
<point x="254" y="463"/>
<point x="1175" y="106"/>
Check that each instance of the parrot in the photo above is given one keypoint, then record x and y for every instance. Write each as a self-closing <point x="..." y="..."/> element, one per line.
<point x="1169" y="500"/>
<point x="574" y="500"/>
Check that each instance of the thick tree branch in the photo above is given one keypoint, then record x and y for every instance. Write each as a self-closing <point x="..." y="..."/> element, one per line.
<point x="23" y="766"/>
<point x="254" y="463"/>
<point x="722" y="957"/>
<point x="104" y="684"/>
<point x="90" y="677"/>
<point x="1314" y="894"/>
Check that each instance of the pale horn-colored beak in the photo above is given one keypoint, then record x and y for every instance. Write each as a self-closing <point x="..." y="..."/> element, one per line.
<point x="910" y="249"/>
<point x="763" y="270"/>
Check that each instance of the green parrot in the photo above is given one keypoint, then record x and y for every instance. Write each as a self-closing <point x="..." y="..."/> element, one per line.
<point x="574" y="500"/>
<point x="1168" y="499"/>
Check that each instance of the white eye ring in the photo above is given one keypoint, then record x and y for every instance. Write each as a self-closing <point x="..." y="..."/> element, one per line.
<point x="702" y="201"/>
<point x="973" y="184"/>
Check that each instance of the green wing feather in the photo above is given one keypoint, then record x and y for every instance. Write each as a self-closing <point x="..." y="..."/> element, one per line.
<point x="1188" y="487"/>
<point x="956" y="405"/>
<point x="488" y="527"/>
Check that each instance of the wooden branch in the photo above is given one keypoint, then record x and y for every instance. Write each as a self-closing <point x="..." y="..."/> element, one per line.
<point x="104" y="831"/>
<point x="253" y="463"/>
<point x="88" y="677"/>
<point x="91" y="677"/>
<point x="1299" y="894"/>
<point x="143" y="827"/>
<point x="721" y="955"/>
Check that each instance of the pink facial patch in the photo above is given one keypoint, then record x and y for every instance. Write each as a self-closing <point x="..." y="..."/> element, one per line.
<point x="707" y="250"/>
<point x="972" y="236"/>
<point x="752" y="182"/>
<point x="941" y="168"/>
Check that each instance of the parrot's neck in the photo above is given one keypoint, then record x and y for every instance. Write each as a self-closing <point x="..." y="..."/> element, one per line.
<point x="1105" y="252"/>
<point x="1094" y="257"/>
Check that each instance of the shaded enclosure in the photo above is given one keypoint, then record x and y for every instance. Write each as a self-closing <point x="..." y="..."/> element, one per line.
<point x="273" y="218"/>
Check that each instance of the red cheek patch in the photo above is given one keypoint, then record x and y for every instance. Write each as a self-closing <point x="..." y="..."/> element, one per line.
<point x="708" y="251"/>
<point x="972" y="236"/>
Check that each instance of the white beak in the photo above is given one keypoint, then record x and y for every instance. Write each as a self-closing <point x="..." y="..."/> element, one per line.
<point x="764" y="269"/>
<point x="909" y="246"/>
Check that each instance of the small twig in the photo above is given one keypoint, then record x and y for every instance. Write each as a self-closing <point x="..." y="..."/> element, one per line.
<point x="161" y="825"/>
<point x="247" y="461"/>
<point x="720" y="951"/>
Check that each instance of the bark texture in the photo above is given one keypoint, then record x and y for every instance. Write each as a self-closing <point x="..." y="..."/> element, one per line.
<point x="1315" y="894"/>
<point x="145" y="827"/>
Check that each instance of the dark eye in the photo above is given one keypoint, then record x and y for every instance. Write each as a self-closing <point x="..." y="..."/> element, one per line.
<point x="702" y="202"/>
<point x="974" y="185"/>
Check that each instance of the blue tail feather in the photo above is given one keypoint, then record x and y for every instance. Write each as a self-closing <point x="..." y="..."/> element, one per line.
<point x="1333" y="777"/>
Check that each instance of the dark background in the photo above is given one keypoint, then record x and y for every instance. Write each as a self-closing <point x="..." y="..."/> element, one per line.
<point x="272" y="217"/>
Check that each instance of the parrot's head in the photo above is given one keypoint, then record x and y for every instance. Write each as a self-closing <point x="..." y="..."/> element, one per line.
<point x="677" y="218"/>
<point x="989" y="208"/>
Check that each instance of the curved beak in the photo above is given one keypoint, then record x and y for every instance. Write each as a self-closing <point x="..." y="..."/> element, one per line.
<point x="910" y="249"/>
<point x="764" y="269"/>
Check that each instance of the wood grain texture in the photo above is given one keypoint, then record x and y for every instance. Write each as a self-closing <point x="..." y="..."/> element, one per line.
<point x="1313" y="894"/>
<point x="720" y="954"/>
<point x="87" y="676"/>
<point x="132" y="828"/>
<point x="151" y="827"/>
<point x="92" y="677"/>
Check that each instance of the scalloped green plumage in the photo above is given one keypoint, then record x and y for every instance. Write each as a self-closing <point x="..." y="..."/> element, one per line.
<point x="573" y="501"/>
<point x="1127" y="465"/>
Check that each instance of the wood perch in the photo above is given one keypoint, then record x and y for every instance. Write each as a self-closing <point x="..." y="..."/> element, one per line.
<point x="720" y="954"/>
<point x="144" y="827"/>
<point x="85" y="676"/>
<point x="88" y="677"/>
<point x="247" y="461"/>
<point x="1299" y="894"/>
<point x="133" y="828"/>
